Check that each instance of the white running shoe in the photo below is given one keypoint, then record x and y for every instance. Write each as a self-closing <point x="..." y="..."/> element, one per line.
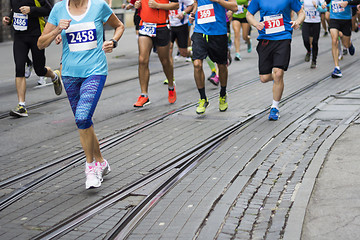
<point x="92" y="181"/>
<point x="102" y="169"/>
<point x="28" y="69"/>
<point x="41" y="81"/>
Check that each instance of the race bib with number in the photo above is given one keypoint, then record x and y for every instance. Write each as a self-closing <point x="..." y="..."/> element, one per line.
<point x="274" y="24"/>
<point x="336" y="8"/>
<point x="173" y="13"/>
<point x="148" y="29"/>
<point x="206" y="14"/>
<point x="81" y="36"/>
<point x="310" y="14"/>
<point x="20" y="21"/>
<point x="240" y="9"/>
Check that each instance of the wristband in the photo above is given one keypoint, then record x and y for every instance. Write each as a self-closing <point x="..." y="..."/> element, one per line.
<point x="184" y="13"/>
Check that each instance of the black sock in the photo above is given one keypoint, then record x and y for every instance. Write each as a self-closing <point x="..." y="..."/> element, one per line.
<point x="222" y="91"/>
<point x="202" y="93"/>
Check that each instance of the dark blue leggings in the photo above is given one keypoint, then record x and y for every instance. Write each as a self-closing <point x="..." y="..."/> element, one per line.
<point x="83" y="95"/>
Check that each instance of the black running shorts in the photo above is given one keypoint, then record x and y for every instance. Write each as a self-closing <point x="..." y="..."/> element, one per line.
<point x="162" y="37"/>
<point x="214" y="46"/>
<point x="181" y="33"/>
<point x="343" y="26"/>
<point x="273" y="54"/>
<point x="241" y="20"/>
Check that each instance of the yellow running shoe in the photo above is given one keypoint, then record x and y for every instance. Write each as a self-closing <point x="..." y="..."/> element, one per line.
<point x="223" y="105"/>
<point x="19" y="111"/>
<point x="57" y="83"/>
<point x="203" y="104"/>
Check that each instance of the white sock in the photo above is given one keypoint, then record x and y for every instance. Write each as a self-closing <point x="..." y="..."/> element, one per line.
<point x="338" y="67"/>
<point x="22" y="103"/>
<point x="275" y="104"/>
<point x="55" y="78"/>
<point x="90" y="164"/>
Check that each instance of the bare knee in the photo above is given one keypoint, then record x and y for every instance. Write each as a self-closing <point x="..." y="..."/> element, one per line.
<point x="143" y="61"/>
<point x="197" y="65"/>
<point x="266" y="78"/>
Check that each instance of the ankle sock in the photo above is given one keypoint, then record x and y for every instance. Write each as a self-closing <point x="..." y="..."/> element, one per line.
<point x="275" y="104"/>
<point x="222" y="91"/>
<point x="202" y="93"/>
<point x="89" y="165"/>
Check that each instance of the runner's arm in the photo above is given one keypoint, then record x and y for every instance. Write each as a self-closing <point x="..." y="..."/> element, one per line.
<point x="172" y="5"/>
<point x="193" y="12"/>
<point x="230" y="4"/>
<point x="300" y="19"/>
<point x="50" y="32"/>
<point x="42" y="11"/>
<point x="353" y="2"/>
<point x="116" y="24"/>
<point x="186" y="11"/>
<point x="251" y="19"/>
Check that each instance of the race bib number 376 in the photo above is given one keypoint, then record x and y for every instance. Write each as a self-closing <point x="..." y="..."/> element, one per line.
<point x="274" y="24"/>
<point x="81" y="36"/>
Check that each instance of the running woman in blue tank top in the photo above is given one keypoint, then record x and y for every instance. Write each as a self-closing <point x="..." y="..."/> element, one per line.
<point x="84" y="68"/>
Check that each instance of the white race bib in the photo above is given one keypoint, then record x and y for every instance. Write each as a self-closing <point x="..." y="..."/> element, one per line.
<point x="274" y="24"/>
<point x="148" y="29"/>
<point x="240" y="9"/>
<point x="335" y="6"/>
<point x="173" y="13"/>
<point x="310" y="14"/>
<point x="81" y="36"/>
<point x="20" y="21"/>
<point x="206" y="14"/>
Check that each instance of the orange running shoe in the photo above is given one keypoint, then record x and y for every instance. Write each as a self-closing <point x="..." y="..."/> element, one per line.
<point x="142" y="101"/>
<point x="172" y="96"/>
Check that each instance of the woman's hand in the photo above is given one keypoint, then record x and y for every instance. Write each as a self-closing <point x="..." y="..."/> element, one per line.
<point x="108" y="46"/>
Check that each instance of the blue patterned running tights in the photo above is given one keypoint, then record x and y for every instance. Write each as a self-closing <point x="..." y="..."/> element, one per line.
<point x="83" y="95"/>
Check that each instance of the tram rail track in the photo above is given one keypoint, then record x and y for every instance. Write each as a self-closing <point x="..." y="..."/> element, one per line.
<point x="183" y="163"/>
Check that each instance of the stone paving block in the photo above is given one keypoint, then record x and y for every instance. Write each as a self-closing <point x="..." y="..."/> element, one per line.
<point x="223" y="236"/>
<point x="73" y="235"/>
<point x="242" y="235"/>
<point x="90" y="235"/>
<point x="10" y="235"/>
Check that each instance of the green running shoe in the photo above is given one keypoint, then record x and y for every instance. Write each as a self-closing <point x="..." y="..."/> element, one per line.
<point x="223" y="105"/>
<point x="203" y="104"/>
